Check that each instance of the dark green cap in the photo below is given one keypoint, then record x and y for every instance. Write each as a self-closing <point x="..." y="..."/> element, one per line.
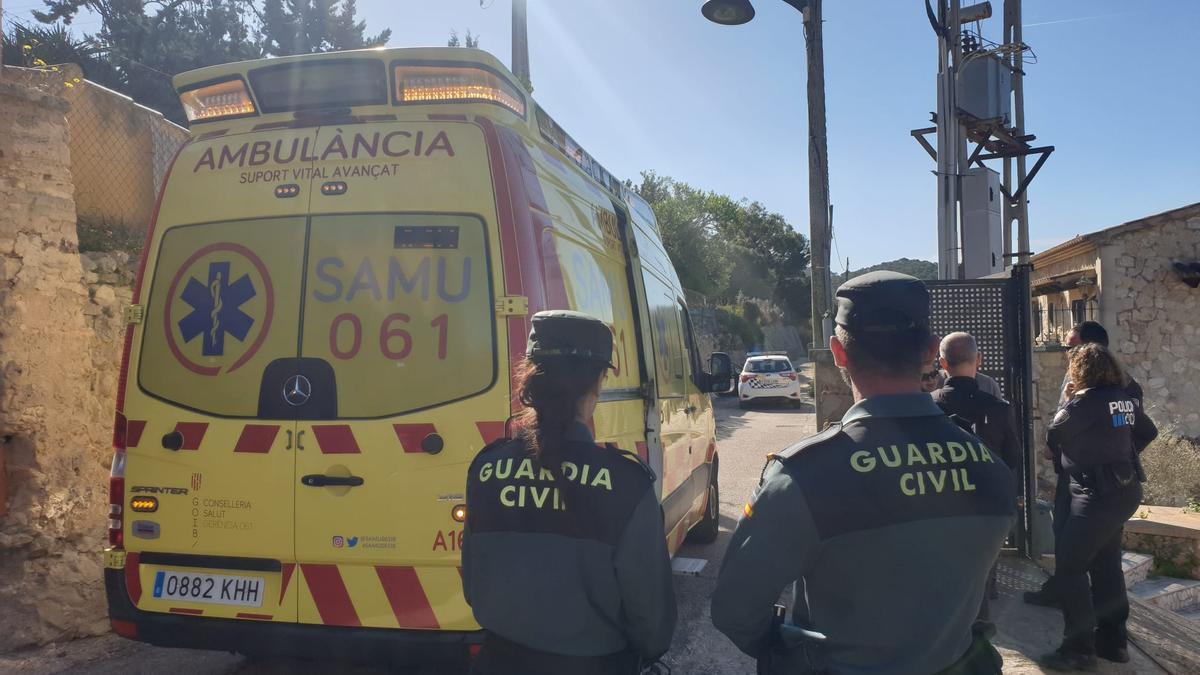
<point x="561" y="332"/>
<point x="883" y="302"/>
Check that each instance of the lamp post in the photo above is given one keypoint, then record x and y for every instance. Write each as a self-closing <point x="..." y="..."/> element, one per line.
<point x="737" y="12"/>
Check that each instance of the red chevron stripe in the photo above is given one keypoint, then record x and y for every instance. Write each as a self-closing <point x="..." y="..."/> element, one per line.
<point x="643" y="451"/>
<point x="330" y="595"/>
<point x="257" y="438"/>
<point x="193" y="434"/>
<point x="490" y="431"/>
<point x="336" y="439"/>
<point x="288" y="568"/>
<point x="410" y="435"/>
<point x="133" y="432"/>
<point x="133" y="580"/>
<point x="407" y="597"/>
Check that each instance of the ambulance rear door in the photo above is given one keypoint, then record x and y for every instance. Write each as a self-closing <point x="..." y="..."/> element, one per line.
<point x="210" y="476"/>
<point x="400" y="336"/>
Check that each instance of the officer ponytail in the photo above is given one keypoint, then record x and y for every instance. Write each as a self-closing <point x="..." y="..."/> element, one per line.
<point x="551" y="390"/>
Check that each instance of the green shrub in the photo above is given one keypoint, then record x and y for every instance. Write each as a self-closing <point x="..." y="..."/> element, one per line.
<point x="105" y="237"/>
<point x="1172" y="466"/>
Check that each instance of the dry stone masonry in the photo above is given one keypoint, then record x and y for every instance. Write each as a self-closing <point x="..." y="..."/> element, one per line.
<point x="58" y="359"/>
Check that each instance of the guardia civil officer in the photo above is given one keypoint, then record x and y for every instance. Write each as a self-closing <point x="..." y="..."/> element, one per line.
<point x="1096" y="437"/>
<point x="888" y="522"/>
<point x="565" y="561"/>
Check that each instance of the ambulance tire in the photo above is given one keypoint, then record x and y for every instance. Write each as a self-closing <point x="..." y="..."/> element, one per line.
<point x="706" y="531"/>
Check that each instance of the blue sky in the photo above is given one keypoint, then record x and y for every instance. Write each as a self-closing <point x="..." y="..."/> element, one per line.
<point x="649" y="84"/>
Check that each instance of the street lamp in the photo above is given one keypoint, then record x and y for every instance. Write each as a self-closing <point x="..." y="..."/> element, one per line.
<point x="728" y="12"/>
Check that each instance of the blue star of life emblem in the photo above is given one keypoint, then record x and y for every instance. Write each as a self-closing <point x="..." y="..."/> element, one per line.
<point x="216" y="309"/>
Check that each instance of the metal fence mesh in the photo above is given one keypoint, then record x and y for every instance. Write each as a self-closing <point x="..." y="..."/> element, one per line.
<point x="977" y="308"/>
<point x="120" y="150"/>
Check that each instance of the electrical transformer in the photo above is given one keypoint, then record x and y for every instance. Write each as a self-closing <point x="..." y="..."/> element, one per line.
<point x="985" y="88"/>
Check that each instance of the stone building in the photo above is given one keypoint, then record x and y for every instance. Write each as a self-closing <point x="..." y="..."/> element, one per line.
<point x="1139" y="280"/>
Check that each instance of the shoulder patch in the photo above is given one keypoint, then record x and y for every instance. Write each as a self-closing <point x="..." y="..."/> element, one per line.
<point x="795" y="450"/>
<point x="636" y="459"/>
<point x="498" y="443"/>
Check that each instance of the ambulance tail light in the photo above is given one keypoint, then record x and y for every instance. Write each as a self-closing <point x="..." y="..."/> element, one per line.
<point x="455" y="84"/>
<point x="222" y="100"/>
<point x="116" y="501"/>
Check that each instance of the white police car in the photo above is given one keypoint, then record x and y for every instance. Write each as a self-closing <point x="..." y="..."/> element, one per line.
<point x="768" y="376"/>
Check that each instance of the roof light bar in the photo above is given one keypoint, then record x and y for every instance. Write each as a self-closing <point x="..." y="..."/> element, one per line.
<point x="217" y="101"/>
<point x="445" y="84"/>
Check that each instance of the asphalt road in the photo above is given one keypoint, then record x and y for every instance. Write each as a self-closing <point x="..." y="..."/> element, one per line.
<point x="745" y="436"/>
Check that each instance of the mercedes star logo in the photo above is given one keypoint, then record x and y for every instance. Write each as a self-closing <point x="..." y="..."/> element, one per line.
<point x="297" y="390"/>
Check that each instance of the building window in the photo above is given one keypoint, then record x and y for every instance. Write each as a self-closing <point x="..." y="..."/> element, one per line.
<point x="1079" y="311"/>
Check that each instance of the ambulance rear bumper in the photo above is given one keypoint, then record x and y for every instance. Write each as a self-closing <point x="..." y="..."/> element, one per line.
<point x="264" y="638"/>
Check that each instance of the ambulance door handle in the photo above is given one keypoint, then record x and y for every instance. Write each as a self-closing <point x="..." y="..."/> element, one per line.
<point x="300" y="439"/>
<point x="321" y="480"/>
<point x="289" y="443"/>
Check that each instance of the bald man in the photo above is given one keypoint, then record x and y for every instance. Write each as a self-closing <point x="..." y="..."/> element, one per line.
<point x="992" y="417"/>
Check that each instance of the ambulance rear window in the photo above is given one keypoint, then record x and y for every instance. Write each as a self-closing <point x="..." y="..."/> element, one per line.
<point x="401" y="307"/>
<point x="320" y="84"/>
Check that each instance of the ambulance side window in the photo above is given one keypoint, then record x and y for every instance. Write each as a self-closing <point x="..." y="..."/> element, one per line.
<point x="689" y="338"/>
<point x="666" y="331"/>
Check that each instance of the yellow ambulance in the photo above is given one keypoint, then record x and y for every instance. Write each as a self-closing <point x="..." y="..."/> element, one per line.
<point x="334" y="292"/>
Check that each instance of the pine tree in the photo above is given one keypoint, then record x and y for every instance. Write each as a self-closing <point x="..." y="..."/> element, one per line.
<point x="311" y="26"/>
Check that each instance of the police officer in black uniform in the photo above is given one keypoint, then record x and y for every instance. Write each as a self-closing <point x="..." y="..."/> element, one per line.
<point x="993" y="419"/>
<point x="1096" y="437"/>
<point x="565" y="562"/>
<point x="887" y="523"/>
<point x="1085" y="333"/>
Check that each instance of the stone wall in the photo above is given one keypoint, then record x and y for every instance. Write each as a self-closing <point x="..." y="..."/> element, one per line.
<point x="1154" y="318"/>
<point x="1049" y="367"/>
<point x="55" y="414"/>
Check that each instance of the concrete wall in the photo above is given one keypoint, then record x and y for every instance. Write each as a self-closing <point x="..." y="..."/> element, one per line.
<point x="55" y="410"/>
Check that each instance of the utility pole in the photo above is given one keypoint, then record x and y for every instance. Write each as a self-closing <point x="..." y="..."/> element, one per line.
<point x="949" y="139"/>
<point x="818" y="174"/>
<point x="520" y="44"/>
<point x="1016" y="210"/>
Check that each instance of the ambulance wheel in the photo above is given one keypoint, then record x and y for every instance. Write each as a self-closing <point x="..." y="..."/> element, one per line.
<point x="705" y="531"/>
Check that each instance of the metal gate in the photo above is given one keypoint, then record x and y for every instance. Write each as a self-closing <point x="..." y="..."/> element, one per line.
<point x="996" y="312"/>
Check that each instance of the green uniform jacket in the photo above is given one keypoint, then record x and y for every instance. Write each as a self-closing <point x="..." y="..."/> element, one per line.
<point x="889" y="522"/>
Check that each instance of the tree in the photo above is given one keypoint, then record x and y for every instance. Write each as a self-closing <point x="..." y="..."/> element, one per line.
<point x="688" y="232"/>
<point x="727" y="249"/>
<point x="146" y="42"/>
<point x="313" y="26"/>
<point x="472" y="41"/>
<point x="35" y="46"/>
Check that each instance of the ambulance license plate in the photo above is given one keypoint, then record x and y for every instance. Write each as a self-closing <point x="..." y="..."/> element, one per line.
<point x="216" y="589"/>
